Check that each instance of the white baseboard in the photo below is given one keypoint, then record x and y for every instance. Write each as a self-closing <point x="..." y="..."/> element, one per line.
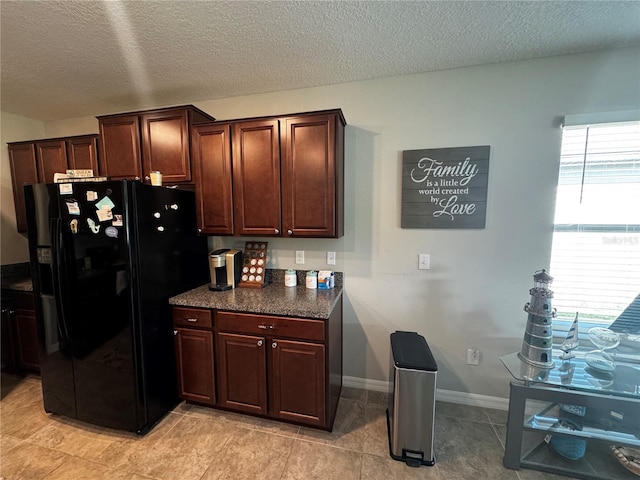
<point x="462" y="398"/>
<point x="366" y="384"/>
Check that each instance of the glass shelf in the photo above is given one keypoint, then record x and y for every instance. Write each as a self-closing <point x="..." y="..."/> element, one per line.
<point x="598" y="410"/>
<point x="577" y="375"/>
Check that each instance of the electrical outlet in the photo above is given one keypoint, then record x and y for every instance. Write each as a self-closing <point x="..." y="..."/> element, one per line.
<point x="331" y="258"/>
<point x="473" y="356"/>
<point x="424" y="261"/>
<point x="299" y="257"/>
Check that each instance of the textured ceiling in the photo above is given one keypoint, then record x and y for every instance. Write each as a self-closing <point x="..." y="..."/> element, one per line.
<point x="65" y="59"/>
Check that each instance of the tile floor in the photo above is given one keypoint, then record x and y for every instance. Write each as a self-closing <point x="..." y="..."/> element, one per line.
<point x="197" y="443"/>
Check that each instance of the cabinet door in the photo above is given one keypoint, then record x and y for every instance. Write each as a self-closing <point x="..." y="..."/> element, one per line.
<point x="242" y="373"/>
<point x="6" y="337"/>
<point x="120" y="147"/>
<point x="52" y="158"/>
<point x="311" y="175"/>
<point x="26" y="339"/>
<point x="194" y="358"/>
<point x="256" y="178"/>
<point x="298" y="381"/>
<point x="82" y="153"/>
<point x="24" y="171"/>
<point x="165" y="145"/>
<point x="211" y="162"/>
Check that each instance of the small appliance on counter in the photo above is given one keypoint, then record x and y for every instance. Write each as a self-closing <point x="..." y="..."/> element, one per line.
<point x="225" y="267"/>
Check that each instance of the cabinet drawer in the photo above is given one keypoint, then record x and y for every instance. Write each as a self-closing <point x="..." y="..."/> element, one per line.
<point x="191" y="317"/>
<point x="271" y="326"/>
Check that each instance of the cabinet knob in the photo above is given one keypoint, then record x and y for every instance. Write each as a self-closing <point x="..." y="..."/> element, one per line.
<point x="274" y="345"/>
<point x="147" y="178"/>
<point x="175" y="332"/>
<point x="277" y="231"/>
<point x="136" y="178"/>
<point x="290" y="232"/>
<point x="259" y="343"/>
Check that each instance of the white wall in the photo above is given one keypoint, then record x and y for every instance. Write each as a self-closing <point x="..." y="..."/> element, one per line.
<point x="479" y="281"/>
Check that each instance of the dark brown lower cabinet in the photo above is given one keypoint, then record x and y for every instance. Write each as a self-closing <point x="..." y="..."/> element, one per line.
<point x="194" y="355"/>
<point x="282" y="368"/>
<point x="298" y="381"/>
<point x="19" y="332"/>
<point x="242" y="372"/>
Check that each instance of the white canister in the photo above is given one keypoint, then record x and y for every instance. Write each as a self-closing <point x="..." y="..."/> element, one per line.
<point x="290" y="278"/>
<point x="312" y="279"/>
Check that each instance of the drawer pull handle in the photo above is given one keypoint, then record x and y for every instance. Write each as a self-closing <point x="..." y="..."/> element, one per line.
<point x="266" y="327"/>
<point x="259" y="343"/>
<point x="192" y="319"/>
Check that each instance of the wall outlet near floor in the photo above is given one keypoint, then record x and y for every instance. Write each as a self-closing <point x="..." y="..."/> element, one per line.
<point x="473" y="356"/>
<point x="299" y="257"/>
<point x="331" y="258"/>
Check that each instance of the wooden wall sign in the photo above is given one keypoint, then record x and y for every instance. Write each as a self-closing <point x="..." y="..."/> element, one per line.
<point x="445" y="187"/>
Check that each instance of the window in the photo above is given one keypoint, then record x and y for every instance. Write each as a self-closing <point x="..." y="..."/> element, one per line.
<point x="595" y="259"/>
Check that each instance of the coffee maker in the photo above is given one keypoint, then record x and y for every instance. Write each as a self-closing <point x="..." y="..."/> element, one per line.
<point x="225" y="267"/>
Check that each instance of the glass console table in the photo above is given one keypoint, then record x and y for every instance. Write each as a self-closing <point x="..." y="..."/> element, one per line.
<point x="574" y="420"/>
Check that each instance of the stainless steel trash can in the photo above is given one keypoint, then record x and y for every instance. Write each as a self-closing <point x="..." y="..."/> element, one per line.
<point x="412" y="404"/>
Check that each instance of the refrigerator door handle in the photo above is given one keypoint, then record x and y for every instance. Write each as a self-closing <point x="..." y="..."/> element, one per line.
<point x="57" y="264"/>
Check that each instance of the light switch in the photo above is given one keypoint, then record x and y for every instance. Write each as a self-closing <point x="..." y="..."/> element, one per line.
<point x="331" y="258"/>
<point x="299" y="257"/>
<point x="424" y="261"/>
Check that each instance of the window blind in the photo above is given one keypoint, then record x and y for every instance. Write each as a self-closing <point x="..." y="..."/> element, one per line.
<point x="595" y="259"/>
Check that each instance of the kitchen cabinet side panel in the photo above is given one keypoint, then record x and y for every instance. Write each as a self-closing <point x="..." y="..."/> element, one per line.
<point x="334" y="361"/>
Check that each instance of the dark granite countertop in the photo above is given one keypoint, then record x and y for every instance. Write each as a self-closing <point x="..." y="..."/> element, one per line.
<point x="273" y="299"/>
<point x="17" y="277"/>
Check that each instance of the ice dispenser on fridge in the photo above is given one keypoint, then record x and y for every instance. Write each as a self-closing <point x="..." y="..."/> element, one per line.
<point x="225" y="267"/>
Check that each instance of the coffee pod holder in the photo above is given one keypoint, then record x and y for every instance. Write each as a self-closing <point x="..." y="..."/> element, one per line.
<point x="254" y="265"/>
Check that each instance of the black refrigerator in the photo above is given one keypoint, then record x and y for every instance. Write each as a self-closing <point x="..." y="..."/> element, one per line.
<point x="105" y="257"/>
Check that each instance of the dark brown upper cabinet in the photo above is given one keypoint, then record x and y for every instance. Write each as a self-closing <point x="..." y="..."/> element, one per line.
<point x="135" y="144"/>
<point x="256" y="177"/>
<point x="37" y="161"/>
<point x="313" y="175"/>
<point x="211" y="163"/>
<point x="286" y="174"/>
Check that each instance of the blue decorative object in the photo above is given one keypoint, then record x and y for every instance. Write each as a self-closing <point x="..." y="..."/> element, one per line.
<point x="569" y="447"/>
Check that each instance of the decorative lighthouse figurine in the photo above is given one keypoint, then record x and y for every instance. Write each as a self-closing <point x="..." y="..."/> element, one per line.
<point x="538" y="336"/>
